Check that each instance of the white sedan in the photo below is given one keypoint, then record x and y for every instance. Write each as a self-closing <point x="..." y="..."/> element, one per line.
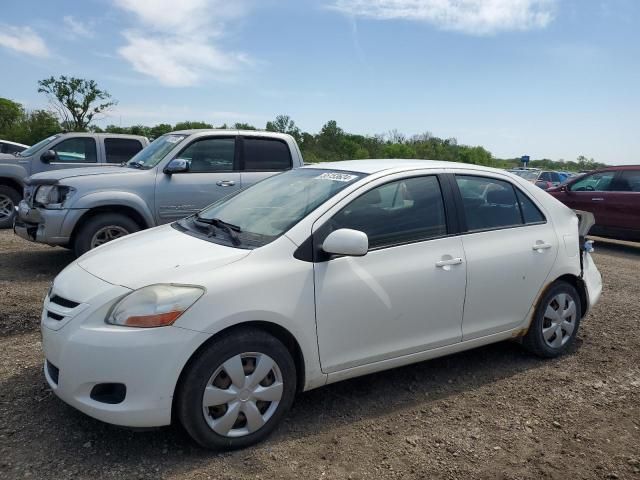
<point x="309" y="277"/>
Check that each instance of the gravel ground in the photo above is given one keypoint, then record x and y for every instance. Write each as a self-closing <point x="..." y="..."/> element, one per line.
<point x="494" y="412"/>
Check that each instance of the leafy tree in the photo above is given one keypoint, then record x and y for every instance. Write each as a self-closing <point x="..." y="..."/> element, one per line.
<point x="76" y="100"/>
<point x="191" y="125"/>
<point x="284" y="124"/>
<point x="243" y="126"/>
<point x="159" y="130"/>
<point x="10" y="113"/>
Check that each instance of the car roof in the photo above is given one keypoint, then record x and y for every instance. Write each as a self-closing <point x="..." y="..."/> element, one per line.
<point x="616" y="167"/>
<point x="14" y="143"/>
<point x="396" y="164"/>
<point x="228" y="131"/>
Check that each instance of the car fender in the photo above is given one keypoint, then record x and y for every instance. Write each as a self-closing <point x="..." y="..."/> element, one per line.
<point x="13" y="173"/>
<point x="109" y="198"/>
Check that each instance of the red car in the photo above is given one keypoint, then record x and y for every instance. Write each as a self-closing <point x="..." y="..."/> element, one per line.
<point x="612" y="195"/>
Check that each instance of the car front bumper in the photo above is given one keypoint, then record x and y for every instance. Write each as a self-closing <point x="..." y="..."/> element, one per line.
<point x="82" y="351"/>
<point x="53" y="227"/>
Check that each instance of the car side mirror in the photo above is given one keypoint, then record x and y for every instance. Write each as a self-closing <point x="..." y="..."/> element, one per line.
<point x="177" y="165"/>
<point x="345" y="241"/>
<point x="48" y="156"/>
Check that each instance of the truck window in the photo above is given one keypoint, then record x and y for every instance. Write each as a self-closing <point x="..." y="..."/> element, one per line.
<point x="214" y="154"/>
<point x="76" y="150"/>
<point x="264" y="154"/>
<point x="120" y="150"/>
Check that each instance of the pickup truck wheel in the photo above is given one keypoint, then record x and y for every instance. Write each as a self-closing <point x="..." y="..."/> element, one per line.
<point x="9" y="199"/>
<point x="101" y="229"/>
<point x="235" y="392"/>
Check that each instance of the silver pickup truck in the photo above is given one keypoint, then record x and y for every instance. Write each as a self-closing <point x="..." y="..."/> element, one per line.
<point x="65" y="150"/>
<point x="177" y="175"/>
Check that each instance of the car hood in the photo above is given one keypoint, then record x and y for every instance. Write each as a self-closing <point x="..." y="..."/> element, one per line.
<point x="54" y="176"/>
<point x="159" y="255"/>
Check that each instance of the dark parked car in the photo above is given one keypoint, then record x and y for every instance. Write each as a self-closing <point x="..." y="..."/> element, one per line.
<point x="612" y="195"/>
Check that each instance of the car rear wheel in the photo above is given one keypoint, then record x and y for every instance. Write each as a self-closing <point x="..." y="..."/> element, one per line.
<point x="235" y="392"/>
<point x="556" y="322"/>
<point x="9" y="199"/>
<point x="101" y="229"/>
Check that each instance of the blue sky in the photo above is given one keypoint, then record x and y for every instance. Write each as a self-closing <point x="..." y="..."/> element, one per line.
<point x="548" y="78"/>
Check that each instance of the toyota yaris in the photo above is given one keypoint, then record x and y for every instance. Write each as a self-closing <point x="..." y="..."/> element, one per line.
<point x="309" y="277"/>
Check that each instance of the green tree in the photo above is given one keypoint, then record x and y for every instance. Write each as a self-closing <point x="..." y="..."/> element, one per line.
<point x="243" y="126"/>
<point x="191" y="125"/>
<point x="76" y="100"/>
<point x="284" y="124"/>
<point x="10" y="113"/>
<point x="159" y="130"/>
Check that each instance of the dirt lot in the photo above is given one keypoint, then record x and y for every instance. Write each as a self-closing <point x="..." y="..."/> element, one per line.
<point x="494" y="412"/>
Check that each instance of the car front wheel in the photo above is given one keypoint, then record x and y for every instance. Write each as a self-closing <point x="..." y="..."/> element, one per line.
<point x="9" y="199"/>
<point x="556" y="322"/>
<point x="236" y="391"/>
<point x="101" y="229"/>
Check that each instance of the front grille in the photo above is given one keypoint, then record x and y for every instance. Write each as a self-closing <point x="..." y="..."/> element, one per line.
<point x="54" y="316"/>
<point x="53" y="372"/>
<point x="63" y="302"/>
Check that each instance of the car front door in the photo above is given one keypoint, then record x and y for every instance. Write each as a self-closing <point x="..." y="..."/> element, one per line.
<point x="510" y="249"/>
<point x="406" y="294"/>
<point x="591" y="193"/>
<point x="213" y="173"/>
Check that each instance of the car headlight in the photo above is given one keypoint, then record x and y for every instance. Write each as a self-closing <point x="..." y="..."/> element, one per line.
<point x="154" y="306"/>
<point x="52" y="196"/>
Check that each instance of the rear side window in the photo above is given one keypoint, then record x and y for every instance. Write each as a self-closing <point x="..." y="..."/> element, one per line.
<point x="627" y="181"/>
<point x="76" y="150"/>
<point x="120" y="150"/>
<point x="262" y="154"/>
<point x="530" y="213"/>
<point x="404" y="211"/>
<point x="488" y="203"/>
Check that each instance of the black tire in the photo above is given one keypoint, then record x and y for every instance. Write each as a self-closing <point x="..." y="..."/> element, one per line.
<point x="83" y="238"/>
<point x="13" y="197"/>
<point x="189" y="395"/>
<point x="534" y="340"/>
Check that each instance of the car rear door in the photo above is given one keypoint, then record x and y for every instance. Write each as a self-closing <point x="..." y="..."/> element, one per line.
<point x="213" y="173"/>
<point x="510" y="248"/>
<point x="262" y="157"/>
<point x="406" y="294"/>
<point x="621" y="204"/>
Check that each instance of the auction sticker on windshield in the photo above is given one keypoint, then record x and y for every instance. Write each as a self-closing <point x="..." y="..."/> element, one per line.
<point x="337" y="177"/>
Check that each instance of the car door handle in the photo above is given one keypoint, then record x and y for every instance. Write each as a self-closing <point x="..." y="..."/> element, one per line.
<point x="225" y="183"/>
<point x="446" y="263"/>
<point x="542" y="246"/>
<point x="598" y="199"/>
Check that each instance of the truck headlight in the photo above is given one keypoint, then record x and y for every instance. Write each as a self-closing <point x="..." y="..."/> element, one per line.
<point x="52" y="196"/>
<point x="154" y="306"/>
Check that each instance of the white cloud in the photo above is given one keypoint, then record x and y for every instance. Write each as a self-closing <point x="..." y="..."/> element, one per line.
<point x="478" y="17"/>
<point x="76" y="27"/>
<point x="177" y="43"/>
<point x="23" y="40"/>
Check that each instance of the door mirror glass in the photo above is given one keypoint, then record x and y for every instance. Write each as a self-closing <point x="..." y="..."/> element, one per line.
<point x="345" y="241"/>
<point x="48" y="156"/>
<point x="177" y="165"/>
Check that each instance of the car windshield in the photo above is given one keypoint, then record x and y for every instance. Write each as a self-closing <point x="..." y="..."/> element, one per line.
<point x="261" y="213"/>
<point x="150" y="156"/>
<point x="34" y="148"/>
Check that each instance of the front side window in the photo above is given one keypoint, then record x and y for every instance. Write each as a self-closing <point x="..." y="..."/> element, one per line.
<point x="596" y="182"/>
<point x="210" y="155"/>
<point x="267" y="209"/>
<point x="76" y="150"/>
<point x="265" y="154"/>
<point x="399" y="212"/>
<point x="488" y="203"/>
<point x="120" y="150"/>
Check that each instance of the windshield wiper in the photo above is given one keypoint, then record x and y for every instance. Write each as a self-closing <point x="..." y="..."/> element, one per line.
<point x="136" y="164"/>
<point x="231" y="229"/>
